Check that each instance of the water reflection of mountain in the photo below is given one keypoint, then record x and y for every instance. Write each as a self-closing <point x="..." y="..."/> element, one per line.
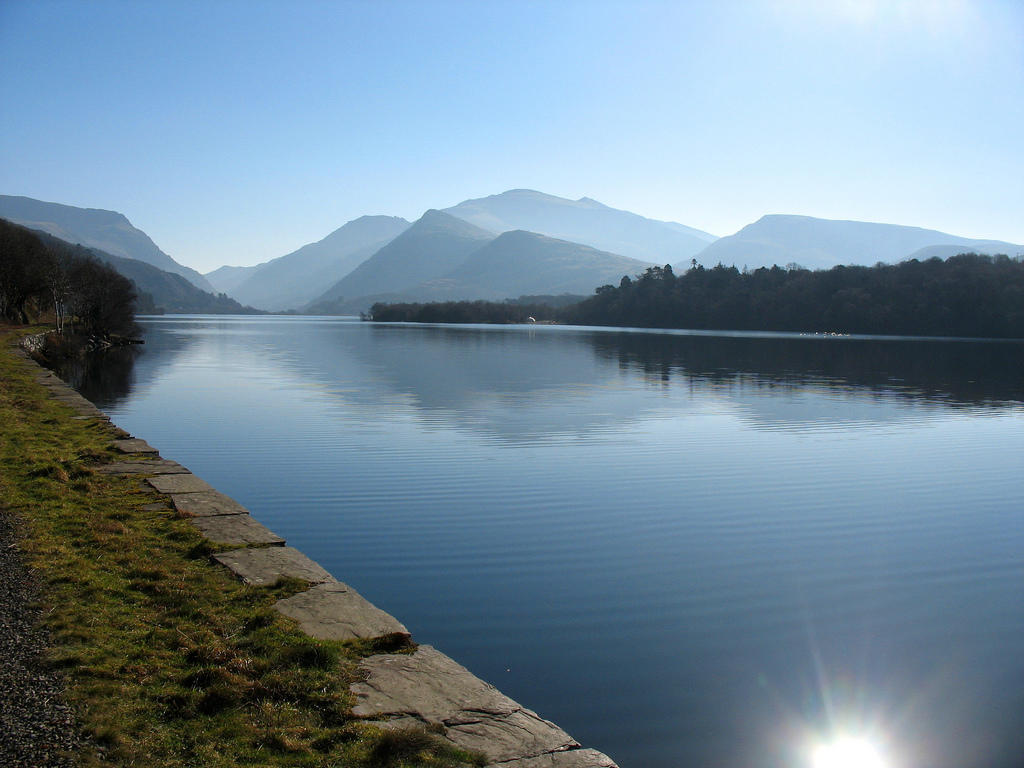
<point x="953" y="374"/>
<point x="520" y="384"/>
<point x="508" y="383"/>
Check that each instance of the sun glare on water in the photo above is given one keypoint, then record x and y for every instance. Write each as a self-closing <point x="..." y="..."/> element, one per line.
<point x="848" y="752"/>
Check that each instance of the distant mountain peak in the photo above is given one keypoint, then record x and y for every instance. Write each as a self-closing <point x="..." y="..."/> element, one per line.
<point x="585" y="221"/>
<point x="818" y="243"/>
<point x="434" y="214"/>
<point x="433" y="219"/>
<point x="522" y="191"/>
<point x="295" y="279"/>
<point x="521" y="194"/>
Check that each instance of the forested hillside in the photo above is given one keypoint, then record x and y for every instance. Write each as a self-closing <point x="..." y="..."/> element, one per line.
<point x="965" y="295"/>
<point x="158" y="291"/>
<point x="67" y="283"/>
<point x="494" y="312"/>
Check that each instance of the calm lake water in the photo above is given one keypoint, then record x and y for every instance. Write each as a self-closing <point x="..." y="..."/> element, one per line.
<point x="686" y="550"/>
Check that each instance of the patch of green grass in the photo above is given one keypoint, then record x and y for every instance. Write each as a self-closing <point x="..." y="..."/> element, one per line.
<point x="399" y="747"/>
<point x="169" y="660"/>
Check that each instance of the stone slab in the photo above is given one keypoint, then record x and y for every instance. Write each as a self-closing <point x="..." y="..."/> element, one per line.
<point x="208" y="504"/>
<point x="236" y="531"/>
<point x="87" y="410"/>
<point x="77" y="402"/>
<point x="335" y="611"/>
<point x="265" y="567"/>
<point x="65" y="392"/>
<point x="434" y="689"/>
<point x="91" y="413"/>
<point x="180" y="483"/>
<point x="133" y="445"/>
<point x="142" y="467"/>
<point x="573" y="758"/>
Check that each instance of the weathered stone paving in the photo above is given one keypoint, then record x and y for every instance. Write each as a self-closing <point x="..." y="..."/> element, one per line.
<point x="574" y="758"/>
<point x="142" y="467"/>
<point x="399" y="690"/>
<point x="433" y="689"/>
<point x="208" y="504"/>
<point x="266" y="567"/>
<point x="184" y="483"/>
<point x="236" y="531"/>
<point x="133" y="445"/>
<point x="335" y="611"/>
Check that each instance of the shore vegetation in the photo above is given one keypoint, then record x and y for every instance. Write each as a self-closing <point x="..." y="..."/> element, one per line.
<point x="968" y="295"/>
<point x="522" y="310"/>
<point x="47" y="279"/>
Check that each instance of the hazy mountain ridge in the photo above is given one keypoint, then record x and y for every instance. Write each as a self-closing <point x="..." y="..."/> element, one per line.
<point x="519" y="263"/>
<point x="225" y="279"/>
<point x="107" y="231"/>
<point x="296" y="279"/>
<point x="441" y="258"/>
<point x="451" y="255"/>
<point x="431" y="247"/>
<point x="584" y="221"/>
<point x="824" y="243"/>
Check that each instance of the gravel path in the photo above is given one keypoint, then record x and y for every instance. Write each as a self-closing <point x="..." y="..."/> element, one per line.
<point x="37" y="727"/>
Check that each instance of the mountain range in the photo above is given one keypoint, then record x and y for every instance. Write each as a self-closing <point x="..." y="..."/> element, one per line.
<point x="540" y="243"/>
<point x="502" y="246"/>
<point x="518" y="263"/>
<point x="298" y="278"/>
<point x="608" y="243"/>
<point x="824" y="243"/>
<point x="584" y="221"/>
<point x="441" y="258"/>
<point x="433" y="246"/>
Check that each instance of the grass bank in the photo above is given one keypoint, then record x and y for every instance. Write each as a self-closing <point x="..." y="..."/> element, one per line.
<point x="168" y="660"/>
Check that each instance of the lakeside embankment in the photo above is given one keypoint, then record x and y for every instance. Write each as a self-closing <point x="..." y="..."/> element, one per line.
<point x="170" y="659"/>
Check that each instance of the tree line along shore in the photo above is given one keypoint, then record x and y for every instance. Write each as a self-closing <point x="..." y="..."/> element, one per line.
<point x="967" y="295"/>
<point x="66" y="283"/>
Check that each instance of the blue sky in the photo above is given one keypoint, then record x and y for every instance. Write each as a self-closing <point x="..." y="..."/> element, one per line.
<point x="235" y="132"/>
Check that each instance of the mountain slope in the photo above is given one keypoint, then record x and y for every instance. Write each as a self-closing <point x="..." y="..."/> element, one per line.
<point x="517" y="263"/>
<point x="294" y="280"/>
<point x="433" y="246"/>
<point x="171" y="292"/>
<point x="824" y="243"/>
<point x="584" y="221"/>
<point x="108" y="231"/>
<point x="225" y="279"/>
<point x="168" y="292"/>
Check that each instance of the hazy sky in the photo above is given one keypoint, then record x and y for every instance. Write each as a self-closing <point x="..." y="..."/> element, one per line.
<point x="234" y="132"/>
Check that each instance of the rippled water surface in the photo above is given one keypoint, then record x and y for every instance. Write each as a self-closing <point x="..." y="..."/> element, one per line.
<point x="686" y="550"/>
